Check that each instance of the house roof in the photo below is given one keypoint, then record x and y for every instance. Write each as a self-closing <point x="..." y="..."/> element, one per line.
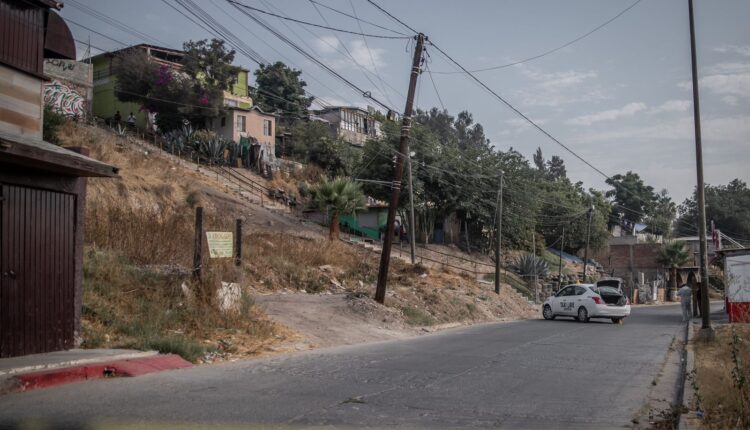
<point x="331" y="108"/>
<point x="36" y="153"/>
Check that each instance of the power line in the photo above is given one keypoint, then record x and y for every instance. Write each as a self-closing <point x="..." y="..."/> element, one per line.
<point x="392" y="17"/>
<point x="311" y="57"/>
<point x="369" y="52"/>
<point x="551" y="51"/>
<point x="350" y="16"/>
<point x="379" y="36"/>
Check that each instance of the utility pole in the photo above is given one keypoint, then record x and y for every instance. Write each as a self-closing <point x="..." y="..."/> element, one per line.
<point x="398" y="173"/>
<point x="559" y="270"/>
<point x="536" y="279"/>
<point x="705" y="305"/>
<point x="586" y="252"/>
<point x="498" y="234"/>
<point x="412" y="224"/>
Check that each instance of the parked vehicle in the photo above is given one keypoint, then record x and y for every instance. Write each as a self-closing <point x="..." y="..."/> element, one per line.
<point x="586" y="301"/>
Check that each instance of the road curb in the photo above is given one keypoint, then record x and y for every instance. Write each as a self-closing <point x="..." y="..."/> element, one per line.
<point x="688" y="415"/>
<point x="99" y="370"/>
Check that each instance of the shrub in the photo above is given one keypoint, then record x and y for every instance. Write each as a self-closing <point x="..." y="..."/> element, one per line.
<point x="51" y="123"/>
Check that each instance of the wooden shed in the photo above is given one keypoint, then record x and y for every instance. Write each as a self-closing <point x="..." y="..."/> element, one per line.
<point x="42" y="191"/>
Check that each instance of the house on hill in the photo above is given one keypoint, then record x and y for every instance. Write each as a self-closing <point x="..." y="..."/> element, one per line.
<point x="350" y="123"/>
<point x="241" y="120"/>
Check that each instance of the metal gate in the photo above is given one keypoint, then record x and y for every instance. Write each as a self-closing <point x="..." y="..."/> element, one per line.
<point x="37" y="243"/>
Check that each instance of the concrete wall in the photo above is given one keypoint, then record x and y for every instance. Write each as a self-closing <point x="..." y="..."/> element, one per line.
<point x="71" y="88"/>
<point x="20" y="103"/>
<point x="627" y="261"/>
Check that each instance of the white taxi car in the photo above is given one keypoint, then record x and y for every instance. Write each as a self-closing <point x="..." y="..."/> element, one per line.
<point x="585" y="301"/>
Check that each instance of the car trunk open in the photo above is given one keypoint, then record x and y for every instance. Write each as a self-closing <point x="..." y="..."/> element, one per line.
<point x="612" y="296"/>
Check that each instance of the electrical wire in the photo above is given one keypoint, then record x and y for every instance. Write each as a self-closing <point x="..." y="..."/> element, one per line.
<point x="551" y="51"/>
<point x="350" y="16"/>
<point x="341" y="30"/>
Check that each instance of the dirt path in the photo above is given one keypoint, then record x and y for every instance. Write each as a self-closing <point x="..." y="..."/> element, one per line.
<point x="325" y="320"/>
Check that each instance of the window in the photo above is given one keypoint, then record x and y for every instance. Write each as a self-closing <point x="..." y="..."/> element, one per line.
<point x="223" y="121"/>
<point x="267" y="127"/>
<point x="579" y="291"/>
<point x="567" y="291"/>
<point x="241" y="122"/>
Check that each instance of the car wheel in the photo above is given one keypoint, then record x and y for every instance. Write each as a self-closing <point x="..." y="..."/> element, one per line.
<point x="547" y="313"/>
<point x="583" y="314"/>
<point x="618" y="321"/>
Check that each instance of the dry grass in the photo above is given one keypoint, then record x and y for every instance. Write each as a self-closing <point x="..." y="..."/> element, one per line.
<point x="722" y="378"/>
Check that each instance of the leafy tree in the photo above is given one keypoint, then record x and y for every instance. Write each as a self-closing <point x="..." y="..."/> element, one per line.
<point x="672" y="255"/>
<point x="338" y="196"/>
<point x="664" y="212"/>
<point x="727" y="205"/>
<point x="556" y="169"/>
<point x="312" y="142"/>
<point x="539" y="161"/>
<point x="279" y="88"/>
<point x="631" y="197"/>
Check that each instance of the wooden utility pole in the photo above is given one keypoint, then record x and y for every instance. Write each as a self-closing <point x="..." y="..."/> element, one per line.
<point x="398" y="173"/>
<point x="499" y="234"/>
<point x="198" y="244"/>
<point x="705" y="305"/>
<point x="559" y="270"/>
<point x="412" y="224"/>
<point x="238" y="243"/>
<point x="586" y="251"/>
<point x="536" y="278"/>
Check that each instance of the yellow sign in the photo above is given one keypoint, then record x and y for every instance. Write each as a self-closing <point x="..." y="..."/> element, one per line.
<point x="220" y="244"/>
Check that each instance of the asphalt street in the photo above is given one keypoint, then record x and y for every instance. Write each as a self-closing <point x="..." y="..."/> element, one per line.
<point x="526" y="374"/>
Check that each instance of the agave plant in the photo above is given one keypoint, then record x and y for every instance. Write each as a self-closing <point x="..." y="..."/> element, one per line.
<point x="530" y="265"/>
<point x="212" y="150"/>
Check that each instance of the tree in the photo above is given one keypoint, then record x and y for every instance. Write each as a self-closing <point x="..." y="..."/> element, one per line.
<point x="539" y="161"/>
<point x="556" y="169"/>
<point x="727" y="205"/>
<point x="280" y="89"/>
<point x="209" y="65"/>
<point x="664" y="212"/>
<point x="339" y="196"/>
<point x="632" y="199"/>
<point x="312" y="142"/>
<point x="673" y="255"/>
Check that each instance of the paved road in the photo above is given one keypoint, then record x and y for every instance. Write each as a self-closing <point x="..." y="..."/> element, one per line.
<point x="527" y="374"/>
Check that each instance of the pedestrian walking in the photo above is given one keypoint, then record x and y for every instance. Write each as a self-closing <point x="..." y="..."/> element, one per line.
<point x="117" y="117"/>
<point x="131" y="120"/>
<point x="685" y="293"/>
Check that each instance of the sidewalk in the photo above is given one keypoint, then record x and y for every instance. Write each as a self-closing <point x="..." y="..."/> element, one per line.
<point x="63" y="367"/>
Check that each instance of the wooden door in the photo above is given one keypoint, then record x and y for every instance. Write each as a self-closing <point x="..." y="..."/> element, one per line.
<point x="37" y="243"/>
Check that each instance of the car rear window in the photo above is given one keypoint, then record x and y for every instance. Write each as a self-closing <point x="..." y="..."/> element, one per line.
<point x="608" y="283"/>
<point x="608" y="290"/>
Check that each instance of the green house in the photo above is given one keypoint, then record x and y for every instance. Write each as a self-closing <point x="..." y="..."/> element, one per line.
<point x="368" y="222"/>
<point x="105" y="103"/>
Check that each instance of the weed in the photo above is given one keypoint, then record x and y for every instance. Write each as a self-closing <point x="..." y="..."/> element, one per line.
<point x="187" y="349"/>
<point x="417" y="317"/>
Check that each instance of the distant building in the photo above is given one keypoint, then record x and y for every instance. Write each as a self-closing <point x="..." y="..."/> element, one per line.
<point x="350" y="123"/>
<point x="70" y="90"/>
<point x="105" y="102"/>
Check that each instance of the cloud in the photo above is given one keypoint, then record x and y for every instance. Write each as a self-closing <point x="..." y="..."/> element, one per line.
<point x="730" y="80"/>
<point x="734" y="49"/>
<point x="732" y="129"/>
<point x="335" y="54"/>
<point x="519" y="125"/>
<point x="327" y="44"/>
<point x="672" y="106"/>
<point x="629" y="109"/>
<point x="559" y="88"/>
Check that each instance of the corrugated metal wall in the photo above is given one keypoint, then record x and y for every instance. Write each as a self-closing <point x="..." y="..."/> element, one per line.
<point x="37" y="232"/>
<point x="22" y="36"/>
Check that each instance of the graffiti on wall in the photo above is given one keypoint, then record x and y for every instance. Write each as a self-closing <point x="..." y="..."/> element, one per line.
<point x="64" y="99"/>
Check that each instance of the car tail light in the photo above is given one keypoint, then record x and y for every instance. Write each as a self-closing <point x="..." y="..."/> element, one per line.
<point x="598" y="300"/>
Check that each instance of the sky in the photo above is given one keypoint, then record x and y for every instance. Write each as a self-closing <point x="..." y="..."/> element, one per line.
<point x="621" y="98"/>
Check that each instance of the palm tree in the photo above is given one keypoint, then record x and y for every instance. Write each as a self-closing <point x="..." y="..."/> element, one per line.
<point x="673" y="255"/>
<point x="339" y="196"/>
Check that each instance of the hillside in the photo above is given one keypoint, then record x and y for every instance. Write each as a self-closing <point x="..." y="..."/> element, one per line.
<point x="138" y="291"/>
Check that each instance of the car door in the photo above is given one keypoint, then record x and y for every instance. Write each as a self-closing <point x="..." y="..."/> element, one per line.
<point x="579" y="295"/>
<point x="564" y="302"/>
